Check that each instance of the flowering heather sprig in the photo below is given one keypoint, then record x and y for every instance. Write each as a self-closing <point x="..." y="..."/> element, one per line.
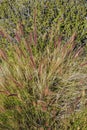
<point x="35" y="27"/>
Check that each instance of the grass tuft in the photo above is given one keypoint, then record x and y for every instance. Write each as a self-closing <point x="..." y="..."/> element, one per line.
<point x="42" y="91"/>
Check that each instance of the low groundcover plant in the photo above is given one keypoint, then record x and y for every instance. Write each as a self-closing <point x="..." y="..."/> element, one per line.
<point x="42" y="90"/>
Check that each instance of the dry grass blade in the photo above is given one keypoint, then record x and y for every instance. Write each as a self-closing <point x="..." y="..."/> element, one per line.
<point x="4" y="34"/>
<point x="3" y="54"/>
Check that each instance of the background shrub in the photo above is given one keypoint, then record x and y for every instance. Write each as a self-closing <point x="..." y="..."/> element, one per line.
<point x="49" y="19"/>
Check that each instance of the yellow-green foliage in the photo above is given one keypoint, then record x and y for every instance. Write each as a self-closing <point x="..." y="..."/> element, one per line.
<point x="77" y="121"/>
<point x="63" y="17"/>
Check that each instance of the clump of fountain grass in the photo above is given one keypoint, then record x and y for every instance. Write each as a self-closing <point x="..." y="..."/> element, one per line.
<point x="40" y="90"/>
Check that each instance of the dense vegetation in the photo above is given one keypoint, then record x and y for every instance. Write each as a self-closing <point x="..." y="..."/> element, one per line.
<point x="62" y="17"/>
<point x="43" y="65"/>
